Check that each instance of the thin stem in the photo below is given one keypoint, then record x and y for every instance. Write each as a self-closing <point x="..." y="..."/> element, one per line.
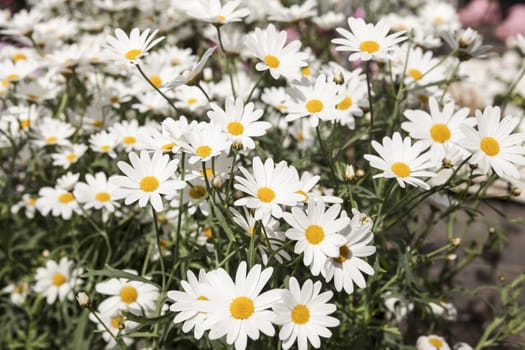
<point x="228" y="67"/>
<point x="255" y="86"/>
<point x="204" y="92"/>
<point x="511" y="89"/>
<point x="115" y="338"/>
<point x="161" y="257"/>
<point x="156" y="88"/>
<point x="370" y="103"/>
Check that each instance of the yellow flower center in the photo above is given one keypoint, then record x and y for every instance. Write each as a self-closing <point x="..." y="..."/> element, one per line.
<point x="300" y="314"/>
<point x="97" y="123"/>
<point x="250" y="230"/>
<point x="51" y="139"/>
<point x="24" y="124"/>
<point x="369" y="46"/>
<point x="132" y="54"/>
<point x="102" y="197"/>
<point x="345" y="104"/>
<point x="12" y="77"/>
<point x="58" y="279"/>
<point x="32" y="97"/>
<point x="489" y="145"/>
<point x="20" y="288"/>
<point x="271" y="61"/>
<point x="436" y="342"/>
<point x="71" y="157"/>
<point x="167" y="146"/>
<point x="314" y="106"/>
<point x="314" y="234"/>
<point x="105" y="148"/>
<point x="221" y="18"/>
<point x="209" y="172"/>
<point x="265" y="194"/>
<point x="235" y="128"/>
<point x="440" y="132"/>
<point x="207" y="232"/>
<point x="197" y="191"/>
<point x="129" y="140"/>
<point x="202" y="297"/>
<point x="155" y="80"/>
<point x="438" y="20"/>
<point x="191" y="100"/>
<point x="149" y="183"/>
<point x="281" y="107"/>
<point x="343" y="254"/>
<point x="114" y="99"/>
<point x="305" y="71"/>
<point x="203" y="151"/>
<point x="415" y="74"/>
<point x="19" y="57"/>
<point x="31" y="201"/>
<point x="401" y="169"/>
<point x="65" y="197"/>
<point x="115" y="322"/>
<point x="299" y="136"/>
<point x="242" y="308"/>
<point x="5" y="83"/>
<point x="128" y="294"/>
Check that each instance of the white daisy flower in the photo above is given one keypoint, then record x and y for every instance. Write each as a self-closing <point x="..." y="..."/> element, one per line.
<point x="126" y="133"/>
<point x="69" y="155"/>
<point x="348" y="268"/>
<point x="124" y="49"/>
<point x="204" y="141"/>
<point x="269" y="46"/>
<point x="28" y="202"/>
<point x="190" y="98"/>
<point x="57" y="280"/>
<point x="440" y="129"/>
<point x="128" y="295"/>
<point x="239" y="121"/>
<point x="316" y="232"/>
<point x="293" y="13"/>
<point x="96" y="192"/>
<point x="463" y="346"/>
<point x="401" y="160"/>
<point x="18" y="292"/>
<point x="397" y="307"/>
<point x="117" y="324"/>
<point x="367" y="41"/>
<point x="103" y="142"/>
<point x="185" y="303"/>
<point x="303" y="314"/>
<point x="58" y="201"/>
<point x="268" y="188"/>
<point x="493" y="145"/>
<point x="420" y="68"/>
<point x="51" y="132"/>
<point x="146" y="179"/>
<point x="237" y="308"/>
<point x="317" y="100"/>
<point x="212" y="11"/>
<point x="311" y="189"/>
<point x="431" y="342"/>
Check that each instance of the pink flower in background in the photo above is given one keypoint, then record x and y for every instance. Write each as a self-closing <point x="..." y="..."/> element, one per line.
<point x="359" y="13"/>
<point x="479" y="11"/>
<point x="514" y="24"/>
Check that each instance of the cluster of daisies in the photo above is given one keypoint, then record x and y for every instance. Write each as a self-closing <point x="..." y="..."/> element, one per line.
<point x="124" y="117"/>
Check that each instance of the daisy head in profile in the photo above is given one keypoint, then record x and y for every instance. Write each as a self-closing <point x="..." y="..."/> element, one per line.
<point x="212" y="11"/>
<point x="401" y="160"/>
<point x="493" y="144"/>
<point x="366" y="41"/>
<point x="57" y="280"/>
<point x="129" y="49"/>
<point x="146" y="179"/>
<point x="303" y="314"/>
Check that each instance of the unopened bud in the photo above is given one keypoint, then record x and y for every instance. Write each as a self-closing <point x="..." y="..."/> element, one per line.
<point x="217" y="182"/>
<point x="516" y="191"/>
<point x="207" y="74"/>
<point x="339" y="79"/>
<point x="45" y="253"/>
<point x="349" y="172"/>
<point x="455" y="242"/>
<point x="83" y="299"/>
<point x="473" y="166"/>
<point x="360" y="173"/>
<point x="492" y="230"/>
<point x="451" y="257"/>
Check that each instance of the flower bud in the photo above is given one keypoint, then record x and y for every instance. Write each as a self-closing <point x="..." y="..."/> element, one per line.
<point x="83" y="299"/>
<point x="516" y="191"/>
<point x="455" y="242"/>
<point x="349" y="172"/>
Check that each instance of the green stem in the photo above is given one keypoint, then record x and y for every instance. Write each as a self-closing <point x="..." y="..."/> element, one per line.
<point x="370" y="104"/>
<point x="161" y="257"/>
<point x="228" y="67"/>
<point x="203" y="91"/>
<point x="255" y="86"/>
<point x="156" y="88"/>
